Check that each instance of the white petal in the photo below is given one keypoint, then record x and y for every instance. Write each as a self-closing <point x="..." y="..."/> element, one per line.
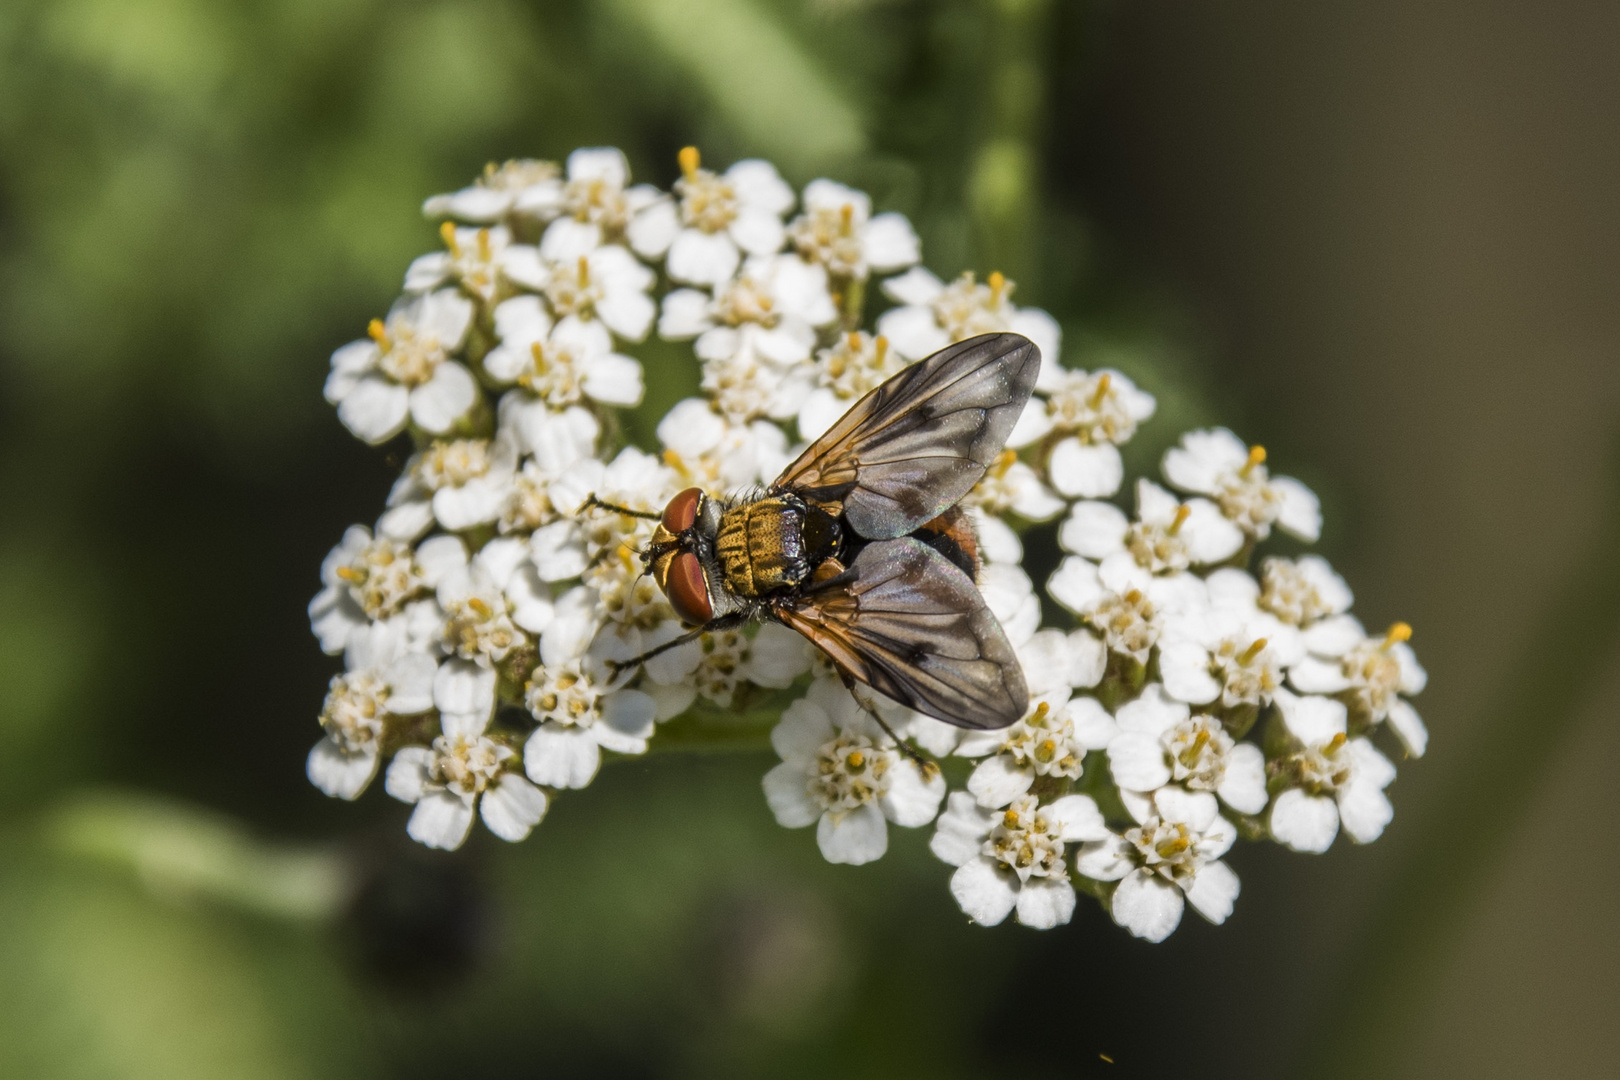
<point x="1045" y="902"/>
<point x="1093" y="472"/>
<point x="912" y="331"/>
<point x="1364" y="809"/>
<point x="1243" y="788"/>
<point x="340" y="775"/>
<point x="801" y="731"/>
<point x="1408" y="727"/>
<point x="1033" y="423"/>
<point x="1094" y="529"/>
<point x="1154" y="712"/>
<point x="1210" y="537"/>
<point x="531" y="599"/>
<point x="986" y="894"/>
<point x="628" y="714"/>
<point x="1137" y="761"/>
<point x="787" y="793"/>
<point x="565" y="241"/>
<point x="465" y="696"/>
<point x="445" y="398"/>
<point x="1213" y="892"/>
<point x="1075" y="584"/>
<point x="1093" y="727"/>
<point x="1184" y="667"/>
<point x="1195" y="809"/>
<point x="512" y="807"/>
<point x="1312" y="720"/>
<point x="777" y="656"/>
<point x="1335" y="636"/>
<point x="1304" y="822"/>
<point x="628" y="313"/>
<point x="913" y="798"/>
<point x="819" y="412"/>
<point x="916" y="286"/>
<point x="1040" y="328"/>
<point x="890" y="243"/>
<point x="961" y="830"/>
<point x="857" y="837"/>
<point x="670" y="701"/>
<point x="701" y="258"/>
<point x="997" y="541"/>
<point x="685" y="314"/>
<point x="691" y="428"/>
<point x="758" y="232"/>
<point x="758" y="184"/>
<point x="651" y="231"/>
<point x="572" y="627"/>
<point x="1413" y="677"/>
<point x="440" y="820"/>
<point x="1080" y="817"/>
<point x="1196" y="465"/>
<point x="615" y="379"/>
<point x="1108" y="859"/>
<point x="562" y="757"/>
<point x="1138" y="804"/>
<point x="1147" y="906"/>
<point x="375" y="409"/>
<point x="410" y="682"/>
<point x="407" y="773"/>
<point x="1314" y="676"/>
<point x="1047" y="658"/>
<point x="1301" y="512"/>
<point x="998" y="781"/>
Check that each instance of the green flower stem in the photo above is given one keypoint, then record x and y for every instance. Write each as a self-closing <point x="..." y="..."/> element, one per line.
<point x="1406" y="943"/>
<point x="188" y="852"/>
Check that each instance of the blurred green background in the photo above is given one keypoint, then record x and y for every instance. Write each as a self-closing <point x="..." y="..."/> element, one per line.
<point x="1381" y="238"/>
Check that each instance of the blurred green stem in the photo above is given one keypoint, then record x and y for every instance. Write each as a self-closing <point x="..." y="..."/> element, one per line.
<point x="187" y="852"/>
<point x="1405" y="945"/>
<point x="1003" y="195"/>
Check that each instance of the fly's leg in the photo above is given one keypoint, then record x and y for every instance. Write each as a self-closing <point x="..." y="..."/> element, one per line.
<point x="928" y="767"/>
<point x="725" y="622"/>
<point x="594" y="501"/>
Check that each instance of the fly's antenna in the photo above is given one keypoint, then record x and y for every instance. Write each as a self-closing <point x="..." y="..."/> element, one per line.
<point x="616" y="508"/>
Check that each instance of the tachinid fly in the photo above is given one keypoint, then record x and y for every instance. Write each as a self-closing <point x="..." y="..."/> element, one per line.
<point x="860" y="546"/>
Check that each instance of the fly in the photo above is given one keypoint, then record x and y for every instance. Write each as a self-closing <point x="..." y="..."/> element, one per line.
<point x="860" y="545"/>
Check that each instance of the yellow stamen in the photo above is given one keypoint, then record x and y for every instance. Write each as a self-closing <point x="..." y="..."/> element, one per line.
<point x="856" y="759"/>
<point x="1104" y="381"/>
<point x="479" y="606"/>
<point x="1041" y="711"/>
<point x="673" y="460"/>
<point x="538" y="351"/>
<point x="350" y="574"/>
<point x="1337" y="741"/>
<point x="689" y="159"/>
<point x="1134" y="596"/>
<point x="880" y="348"/>
<point x="1046" y="750"/>
<point x="998" y="285"/>
<point x="584" y="271"/>
<point x="1257" y="456"/>
<point x="1398" y="633"/>
<point x="1182" y="513"/>
<point x="1010" y="819"/>
<point x="853" y="341"/>
<point x="1004" y="461"/>
<point x="846" y="217"/>
<point x="1247" y="655"/>
<point x="483" y="245"/>
<point x="1170" y="848"/>
<point x="377" y="332"/>
<point x="447" y="231"/>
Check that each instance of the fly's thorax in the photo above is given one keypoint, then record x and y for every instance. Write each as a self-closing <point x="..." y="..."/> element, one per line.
<point x="772" y="544"/>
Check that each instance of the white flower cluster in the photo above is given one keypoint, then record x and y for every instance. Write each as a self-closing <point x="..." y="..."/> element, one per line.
<point x="480" y="616"/>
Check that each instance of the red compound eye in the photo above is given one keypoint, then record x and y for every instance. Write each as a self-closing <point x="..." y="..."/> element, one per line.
<point x="682" y="510"/>
<point x="687" y="590"/>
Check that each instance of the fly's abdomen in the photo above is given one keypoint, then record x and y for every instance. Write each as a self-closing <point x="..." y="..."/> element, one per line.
<point x="760" y="547"/>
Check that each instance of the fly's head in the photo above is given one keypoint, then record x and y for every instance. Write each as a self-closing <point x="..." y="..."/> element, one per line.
<point x="681" y="552"/>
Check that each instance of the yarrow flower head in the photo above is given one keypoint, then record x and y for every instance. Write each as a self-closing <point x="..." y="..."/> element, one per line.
<point x="503" y="640"/>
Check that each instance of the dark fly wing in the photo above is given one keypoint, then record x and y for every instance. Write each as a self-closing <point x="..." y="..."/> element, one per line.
<point x="909" y="624"/>
<point x="916" y="444"/>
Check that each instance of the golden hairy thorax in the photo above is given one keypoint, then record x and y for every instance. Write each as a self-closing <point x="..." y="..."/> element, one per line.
<point x="760" y="547"/>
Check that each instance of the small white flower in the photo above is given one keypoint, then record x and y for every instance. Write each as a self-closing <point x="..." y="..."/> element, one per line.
<point x="606" y="284"/>
<point x="489" y="600"/>
<point x="718" y="220"/>
<point x="718" y="455"/>
<point x="404" y="371"/>
<point x="838" y="231"/>
<point x="1173" y="853"/>
<point x="1160" y="742"/>
<point x="580" y="716"/>
<point x="459" y="483"/>
<point x="1014" y="858"/>
<point x="383" y="681"/>
<point x="460" y="771"/>
<point x="837" y="774"/>
<point x="494" y="194"/>
<point x="1051" y="741"/>
<point x="1302" y="591"/>
<point x="1229" y="651"/>
<point x="1099" y="411"/>
<point x="561" y="364"/>
<point x="1372" y="674"/>
<point x="594" y="206"/>
<point x="932" y="314"/>
<point x="576" y="542"/>
<point x="1333" y="779"/>
<point x="483" y="261"/>
<point x="1217" y="464"/>
<point x="364" y="579"/>
<point x="846" y="371"/>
